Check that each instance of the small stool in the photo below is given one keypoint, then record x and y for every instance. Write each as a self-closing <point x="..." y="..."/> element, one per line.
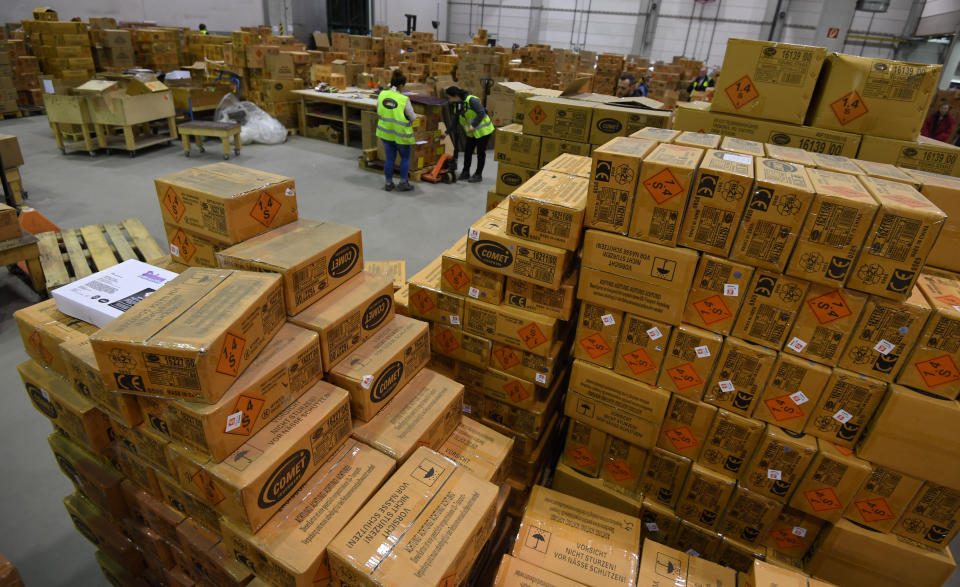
<point x="201" y="128"/>
<point x="24" y="249"/>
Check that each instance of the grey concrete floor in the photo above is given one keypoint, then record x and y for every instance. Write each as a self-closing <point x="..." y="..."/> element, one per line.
<point x="76" y="190"/>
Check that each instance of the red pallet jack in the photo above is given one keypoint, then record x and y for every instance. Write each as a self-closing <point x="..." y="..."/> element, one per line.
<point x="445" y="171"/>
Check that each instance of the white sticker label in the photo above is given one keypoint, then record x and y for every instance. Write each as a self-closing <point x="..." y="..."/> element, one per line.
<point x="455" y="320"/>
<point x="233" y="421"/>
<point x="541" y="378"/>
<point x="652" y="527"/>
<point x="883" y="347"/>
<point x="797" y="344"/>
<point x="731" y="289"/>
<point x="654" y="333"/>
<point x="290" y="192"/>
<point x="467" y="409"/>
<point x="798" y="398"/>
<point x="693" y="552"/>
<point x="957" y="308"/>
<point x="702" y="351"/>
<point x="745" y="159"/>
<point x="608" y="320"/>
<point x="726" y="386"/>
<point x="365" y="381"/>
<point x="843" y="416"/>
<point x="798" y="531"/>
<point x="473" y="292"/>
<point x="44" y="394"/>
<point x="474" y="234"/>
<point x="774" y="474"/>
<point x="48" y="87"/>
<point x="174" y="250"/>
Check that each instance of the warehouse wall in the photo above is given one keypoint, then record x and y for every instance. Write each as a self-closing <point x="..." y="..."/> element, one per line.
<point x="391" y="13"/>
<point x="219" y="15"/>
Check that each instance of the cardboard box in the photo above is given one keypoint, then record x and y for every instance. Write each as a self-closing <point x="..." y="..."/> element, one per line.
<point x="698" y="139"/>
<point x="75" y="415"/>
<point x="932" y="364"/>
<point x="835" y="163"/>
<point x="688" y="364"/>
<point x="518" y="328"/>
<point x="762" y="574"/>
<point x="770" y="308"/>
<point x="660" y="135"/>
<point x="429" y="302"/>
<point x="349" y="315"/>
<point x="43" y="328"/>
<point x="89" y="474"/>
<point x="667" y="176"/>
<point x="583" y="448"/>
<point x="10" y="152"/>
<point x="885" y="171"/>
<point x="740" y="375"/>
<point x="514" y="572"/>
<point x="478" y="449"/>
<point x="778" y="464"/>
<point x="789" y="154"/>
<point x="120" y="102"/>
<point x="556" y="303"/>
<point x="737" y="555"/>
<point x="598" y="333"/>
<point x="832" y="236"/>
<point x="793" y="533"/>
<point x="148" y="443"/>
<point x="825" y="323"/>
<point x="226" y="202"/>
<point x="558" y="118"/>
<point x="730" y="444"/>
<point x="527" y="365"/>
<point x="513" y="147"/>
<point x="188" y="505"/>
<point x="613" y="183"/>
<point x="553" y="149"/>
<point x="663" y="477"/>
<point x="462" y="346"/>
<point x="749" y="516"/>
<point x="817" y="140"/>
<point x="395" y="270"/>
<point x="493" y="248"/>
<point x="685" y="426"/>
<point x="893" y="439"/>
<point x="621" y="465"/>
<point x="794" y="387"/>
<point x="773" y="216"/>
<point x="309" y="272"/>
<point x="9" y="223"/>
<point x="611" y="121"/>
<point x="192" y="249"/>
<point x="944" y="192"/>
<point x="291" y="548"/>
<point x="724" y="183"/>
<point x="554" y="523"/>
<point x="922" y="154"/>
<point x="830" y="483"/>
<point x="530" y="421"/>
<point x="509" y="177"/>
<point x="850" y="555"/>
<point x="383" y="540"/>
<point x="932" y="518"/>
<point x="615" y="404"/>
<point x="743" y="146"/>
<point x="286" y="368"/>
<point x="642" y="348"/>
<point x="660" y="523"/>
<point x="662" y="565"/>
<point x="548" y="208"/>
<point x="193" y="337"/>
<point x="883" y="499"/>
<point x="768" y="80"/>
<point x="719" y="287"/>
<point x="104" y="295"/>
<point x="873" y="96"/>
<point x="461" y="278"/>
<point x="846" y="405"/>
<point x="696" y="541"/>
<point x="634" y="276"/>
<point x="377" y="369"/>
<point x="85" y="375"/>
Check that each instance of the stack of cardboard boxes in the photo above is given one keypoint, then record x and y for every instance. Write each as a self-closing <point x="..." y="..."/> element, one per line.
<point x="479" y="62"/>
<point x="25" y="70"/>
<point x="609" y="70"/>
<point x="113" y="49"/>
<point x="8" y="90"/>
<point x="156" y="48"/>
<point x="64" y="48"/>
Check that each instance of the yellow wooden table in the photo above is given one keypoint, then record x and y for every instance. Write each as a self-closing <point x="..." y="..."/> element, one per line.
<point x="201" y="128"/>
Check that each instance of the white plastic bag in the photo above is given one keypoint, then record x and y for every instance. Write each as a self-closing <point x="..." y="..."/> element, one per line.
<point x="257" y="125"/>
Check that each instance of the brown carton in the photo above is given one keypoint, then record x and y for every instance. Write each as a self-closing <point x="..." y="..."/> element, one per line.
<point x="187" y="504"/>
<point x="613" y="183"/>
<point x="382" y="365"/>
<point x="387" y="539"/>
<point x="704" y="497"/>
<point x="770" y="308"/>
<point x="825" y="324"/>
<point x="510" y="176"/>
<point x="642" y="348"/>
<point x="192" y="338"/>
<point x="778" y="464"/>
<point x="526" y="365"/>
<point x="933" y="516"/>
<point x="768" y="80"/>
<point x="285" y="369"/>
<point x="557" y="303"/>
<point x="737" y="555"/>
<point x="774" y="214"/>
<point x="615" y="404"/>
<point x="558" y="118"/>
<point x="846" y="405"/>
<point x="923" y="154"/>
<point x="793" y="533"/>
<point x="685" y="426"/>
<point x="428" y="301"/>
<point x="660" y="523"/>
<point x="794" y="388"/>
<point x="610" y="121"/>
<point x="565" y="157"/>
<point x="662" y="566"/>
<point x="698" y="139"/>
<point x="897" y="439"/>
<point x="85" y="375"/>
<point x="9" y="223"/>
<point x="743" y="146"/>
<point x="724" y="183"/>
<point x="897" y="245"/>
<point x="873" y="96"/>
<point x="146" y="442"/>
<point x="480" y="450"/>
<point x="622" y="464"/>
<point x="291" y="548"/>
<point x="719" y="287"/>
<point x="696" y="541"/>
<point x="309" y="271"/>
<point x="555" y="524"/>
<point x="518" y="328"/>
<point x="835" y="163"/>
<point x="395" y="270"/>
<point x="459" y="277"/>
<point x="730" y="443"/>
<point x="932" y="365"/>
<point x="663" y="188"/>
<point x="836" y="226"/>
<point x="89" y="474"/>
<point x="749" y="516"/>
<point x="583" y="448"/>
<point x="883" y="499"/>
<point x="226" y="202"/>
<point x="660" y="135"/>
<point x="944" y="192"/>
<point x="43" y="328"/>
<point x="762" y="574"/>
<point x="548" y="208"/>
<point x="830" y="483"/>
<point x="457" y="344"/>
<point x="192" y="249"/>
<point x="530" y="421"/>
<point x="598" y="333"/>
<point x="514" y="572"/>
<point x="886" y="171"/>
<point x="513" y="147"/>
<point x="741" y="373"/>
<point x="688" y="364"/>
<point x="663" y="476"/>
<point x="789" y="154"/>
<point x="423" y="413"/>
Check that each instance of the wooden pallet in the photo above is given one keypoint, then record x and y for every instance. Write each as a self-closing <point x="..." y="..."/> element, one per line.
<point x="74" y="253"/>
<point x="377" y="167"/>
<point x="11" y="114"/>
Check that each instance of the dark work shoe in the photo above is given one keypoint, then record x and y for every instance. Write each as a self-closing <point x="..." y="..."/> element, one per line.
<point x="475" y="178"/>
<point x="464" y="175"/>
<point x="389" y="187"/>
<point x="404" y="186"/>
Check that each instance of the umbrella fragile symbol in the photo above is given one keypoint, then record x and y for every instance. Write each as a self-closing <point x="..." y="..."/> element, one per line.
<point x="538" y="539"/>
<point x="427" y="472"/>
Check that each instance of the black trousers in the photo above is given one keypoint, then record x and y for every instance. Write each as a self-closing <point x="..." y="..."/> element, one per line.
<point x="480" y="146"/>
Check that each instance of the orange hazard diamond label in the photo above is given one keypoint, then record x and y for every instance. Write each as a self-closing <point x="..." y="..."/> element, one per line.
<point x="948" y="299"/>
<point x="456" y="277"/>
<point x="516" y="391"/>
<point x="938" y="371"/>
<point x="173" y="204"/>
<point x="446" y="341"/>
<point x="182" y="246"/>
<point x="829" y="307"/>
<point x="231" y="355"/>
<point x="532" y="335"/>
<point x="874" y="510"/>
<point x="537" y="115"/>
<point x="663" y="186"/>
<point x="741" y="92"/>
<point x="506" y="357"/>
<point x="245" y="414"/>
<point x="205" y="483"/>
<point x="582" y="457"/>
<point x="423" y="301"/>
<point x="681" y="438"/>
<point x="595" y="345"/>
<point x="265" y="209"/>
<point x="823" y="499"/>
<point x="685" y="376"/>
<point x="712" y="310"/>
<point x="36" y="343"/>
<point x="639" y="362"/>
<point x="620" y="470"/>
<point x="785" y="539"/>
<point x="849" y="108"/>
<point x="783" y="408"/>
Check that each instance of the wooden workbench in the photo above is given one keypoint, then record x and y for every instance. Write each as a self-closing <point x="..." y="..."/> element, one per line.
<point x="344" y="108"/>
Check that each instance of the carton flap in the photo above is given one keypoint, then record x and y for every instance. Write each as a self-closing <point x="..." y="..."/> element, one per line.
<point x="97" y="86"/>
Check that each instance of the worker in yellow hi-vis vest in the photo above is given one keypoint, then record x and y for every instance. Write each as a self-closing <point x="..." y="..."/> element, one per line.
<point x="395" y="129"/>
<point x="478" y="128"/>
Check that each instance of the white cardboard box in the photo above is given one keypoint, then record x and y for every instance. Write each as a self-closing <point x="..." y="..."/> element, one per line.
<point x="101" y="297"/>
